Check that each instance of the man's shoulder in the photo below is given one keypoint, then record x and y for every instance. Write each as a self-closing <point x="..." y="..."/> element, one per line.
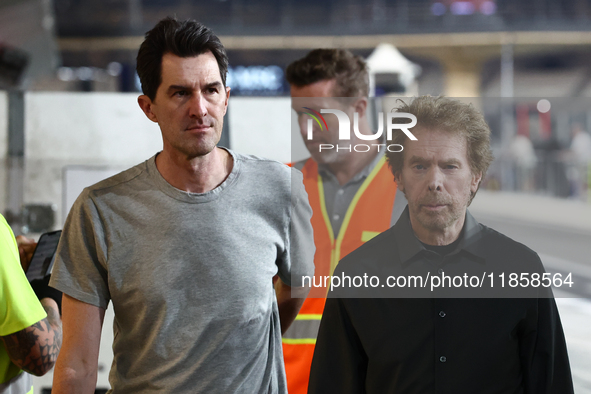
<point x="493" y="240"/>
<point x="507" y="254"/>
<point x="270" y="177"/>
<point x="259" y="161"/>
<point x="122" y="180"/>
<point x="488" y="242"/>
<point x="271" y="171"/>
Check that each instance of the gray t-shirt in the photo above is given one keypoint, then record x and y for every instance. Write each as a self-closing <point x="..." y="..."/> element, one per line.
<point x="190" y="275"/>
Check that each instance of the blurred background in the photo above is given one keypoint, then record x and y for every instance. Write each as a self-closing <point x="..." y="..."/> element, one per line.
<point x="53" y="53"/>
<point x="69" y="116"/>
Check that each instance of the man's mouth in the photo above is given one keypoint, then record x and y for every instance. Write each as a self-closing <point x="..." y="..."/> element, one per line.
<point x="434" y="206"/>
<point x="199" y="127"/>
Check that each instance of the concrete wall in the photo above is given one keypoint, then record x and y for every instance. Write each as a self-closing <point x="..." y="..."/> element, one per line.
<point x="96" y="129"/>
<point x="267" y="127"/>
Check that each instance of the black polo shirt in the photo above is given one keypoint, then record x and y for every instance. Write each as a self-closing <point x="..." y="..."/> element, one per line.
<point x="439" y="345"/>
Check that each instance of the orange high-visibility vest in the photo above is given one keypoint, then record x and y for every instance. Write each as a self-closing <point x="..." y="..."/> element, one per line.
<point x="369" y="214"/>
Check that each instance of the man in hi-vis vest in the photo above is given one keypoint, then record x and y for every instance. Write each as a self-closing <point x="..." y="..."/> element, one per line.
<point x="349" y="185"/>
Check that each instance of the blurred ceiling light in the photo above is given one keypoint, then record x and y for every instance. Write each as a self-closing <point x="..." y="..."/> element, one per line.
<point x="544" y="106"/>
<point x="462" y="8"/>
<point x="438" y="9"/>
<point x="65" y="74"/>
<point x="114" y="69"/>
<point x="85" y="73"/>
<point x="257" y="78"/>
<point x="488" y="8"/>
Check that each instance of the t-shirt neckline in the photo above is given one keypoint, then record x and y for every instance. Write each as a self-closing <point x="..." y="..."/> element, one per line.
<point x="189" y="197"/>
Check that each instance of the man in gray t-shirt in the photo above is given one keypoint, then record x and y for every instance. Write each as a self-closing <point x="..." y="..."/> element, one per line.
<point x="184" y="245"/>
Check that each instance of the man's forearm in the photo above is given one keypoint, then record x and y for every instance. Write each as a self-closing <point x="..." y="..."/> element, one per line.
<point x="73" y="376"/>
<point x="52" y="342"/>
<point x="73" y="379"/>
<point x="76" y="367"/>
<point x="289" y="304"/>
<point x="288" y="310"/>
<point x="35" y="348"/>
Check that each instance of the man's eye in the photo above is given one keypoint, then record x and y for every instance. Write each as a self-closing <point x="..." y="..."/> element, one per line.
<point x="451" y="167"/>
<point x="180" y="93"/>
<point x="212" y="90"/>
<point x="420" y="167"/>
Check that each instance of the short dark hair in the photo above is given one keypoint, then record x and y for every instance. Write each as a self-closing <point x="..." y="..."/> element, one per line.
<point x="451" y="116"/>
<point x="349" y="71"/>
<point x="181" y="38"/>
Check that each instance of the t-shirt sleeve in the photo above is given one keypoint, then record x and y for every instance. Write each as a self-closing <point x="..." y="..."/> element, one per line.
<point x="80" y="268"/>
<point x="298" y="261"/>
<point x="19" y="306"/>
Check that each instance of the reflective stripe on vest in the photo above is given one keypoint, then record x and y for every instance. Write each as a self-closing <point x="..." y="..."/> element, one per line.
<point x="336" y="255"/>
<point x="303" y="330"/>
<point x="351" y="235"/>
<point x="371" y="212"/>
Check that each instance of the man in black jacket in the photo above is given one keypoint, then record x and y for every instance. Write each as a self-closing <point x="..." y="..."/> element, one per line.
<point x="432" y="305"/>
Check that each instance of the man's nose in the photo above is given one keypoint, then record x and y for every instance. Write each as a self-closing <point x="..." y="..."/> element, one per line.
<point x="435" y="179"/>
<point x="197" y="106"/>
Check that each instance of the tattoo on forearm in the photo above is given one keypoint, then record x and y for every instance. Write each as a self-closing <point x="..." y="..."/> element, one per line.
<point x="22" y="345"/>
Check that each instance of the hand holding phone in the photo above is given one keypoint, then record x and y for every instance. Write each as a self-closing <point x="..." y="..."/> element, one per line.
<point x="26" y="248"/>
<point x="42" y="260"/>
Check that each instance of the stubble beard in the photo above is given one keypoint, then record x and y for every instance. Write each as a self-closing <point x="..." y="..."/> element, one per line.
<point x="439" y="221"/>
<point x="327" y="157"/>
<point x="201" y="147"/>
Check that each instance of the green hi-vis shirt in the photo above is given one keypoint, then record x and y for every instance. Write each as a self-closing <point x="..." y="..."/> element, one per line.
<point x="19" y="306"/>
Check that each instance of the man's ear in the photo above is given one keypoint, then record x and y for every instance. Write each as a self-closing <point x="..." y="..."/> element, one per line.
<point x="398" y="179"/>
<point x="476" y="178"/>
<point x="146" y="105"/>
<point x="227" y="98"/>
<point x="361" y="106"/>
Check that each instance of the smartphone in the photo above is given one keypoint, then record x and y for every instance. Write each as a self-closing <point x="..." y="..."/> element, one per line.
<point x="44" y="255"/>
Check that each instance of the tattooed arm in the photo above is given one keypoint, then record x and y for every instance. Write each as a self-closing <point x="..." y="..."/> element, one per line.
<point x="35" y="348"/>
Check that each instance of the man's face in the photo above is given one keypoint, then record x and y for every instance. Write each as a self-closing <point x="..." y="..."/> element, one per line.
<point x="437" y="180"/>
<point x="317" y="96"/>
<point x="190" y="104"/>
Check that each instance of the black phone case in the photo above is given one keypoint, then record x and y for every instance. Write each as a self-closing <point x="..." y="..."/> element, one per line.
<point x="44" y="255"/>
